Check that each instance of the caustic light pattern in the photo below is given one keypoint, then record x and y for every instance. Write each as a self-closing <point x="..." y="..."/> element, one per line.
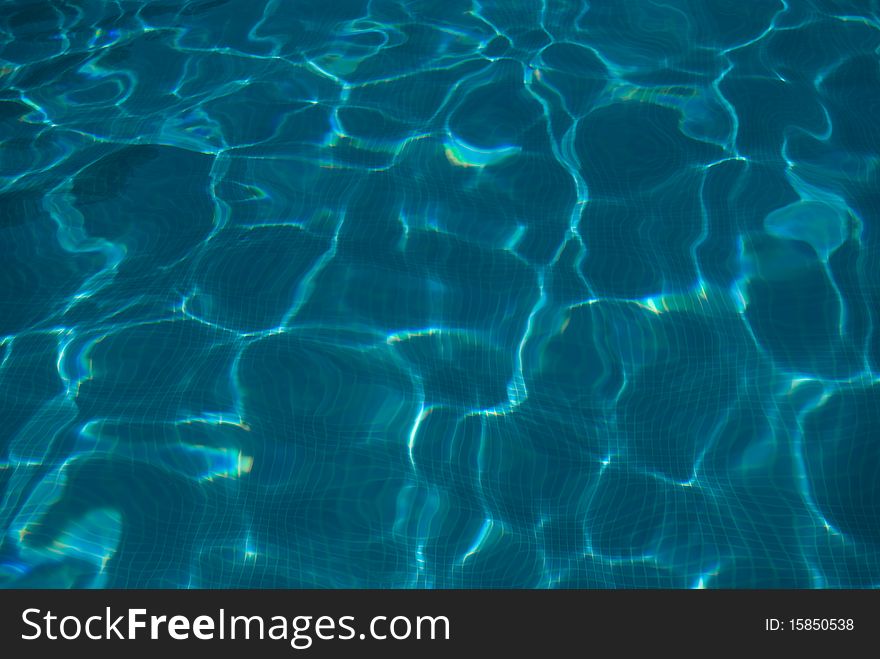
<point x="373" y="293"/>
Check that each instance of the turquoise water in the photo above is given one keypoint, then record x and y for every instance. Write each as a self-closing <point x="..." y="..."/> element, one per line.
<point x="372" y="293"/>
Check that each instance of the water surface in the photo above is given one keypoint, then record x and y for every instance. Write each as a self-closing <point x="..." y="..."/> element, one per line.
<point x="372" y="293"/>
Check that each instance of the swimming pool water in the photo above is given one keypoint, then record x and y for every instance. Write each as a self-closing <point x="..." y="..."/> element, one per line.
<point x="375" y="293"/>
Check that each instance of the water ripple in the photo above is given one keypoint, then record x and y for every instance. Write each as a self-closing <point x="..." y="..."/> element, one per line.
<point x="463" y="294"/>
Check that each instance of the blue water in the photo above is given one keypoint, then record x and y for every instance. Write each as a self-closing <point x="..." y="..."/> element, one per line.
<point x="374" y="293"/>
